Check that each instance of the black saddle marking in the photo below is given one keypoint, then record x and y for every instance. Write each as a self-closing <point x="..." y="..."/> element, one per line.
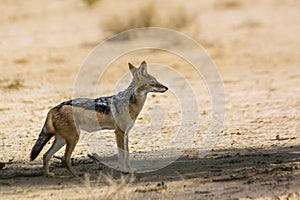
<point x="101" y="104"/>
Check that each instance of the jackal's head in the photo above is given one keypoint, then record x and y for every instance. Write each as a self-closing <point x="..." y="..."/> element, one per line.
<point x="143" y="81"/>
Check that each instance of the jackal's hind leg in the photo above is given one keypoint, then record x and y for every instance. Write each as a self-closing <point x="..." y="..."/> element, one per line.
<point x="71" y="143"/>
<point x="58" y="143"/>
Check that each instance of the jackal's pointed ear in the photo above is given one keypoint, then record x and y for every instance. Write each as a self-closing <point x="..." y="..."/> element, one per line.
<point x="143" y="68"/>
<point x="132" y="68"/>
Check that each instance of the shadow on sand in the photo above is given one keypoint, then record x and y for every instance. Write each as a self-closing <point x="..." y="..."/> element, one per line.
<point x="247" y="166"/>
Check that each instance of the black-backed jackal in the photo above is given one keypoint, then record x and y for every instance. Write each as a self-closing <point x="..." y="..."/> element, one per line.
<point x="117" y="112"/>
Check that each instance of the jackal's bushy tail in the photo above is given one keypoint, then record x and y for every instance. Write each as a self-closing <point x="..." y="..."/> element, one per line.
<point x="44" y="137"/>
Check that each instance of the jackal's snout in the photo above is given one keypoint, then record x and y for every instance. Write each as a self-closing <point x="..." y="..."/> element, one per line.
<point x="160" y="88"/>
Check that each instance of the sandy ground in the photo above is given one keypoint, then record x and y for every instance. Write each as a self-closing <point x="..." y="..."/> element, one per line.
<point x="255" y="45"/>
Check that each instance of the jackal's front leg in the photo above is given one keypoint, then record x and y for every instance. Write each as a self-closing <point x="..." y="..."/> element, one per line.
<point x="126" y="154"/>
<point x="123" y="150"/>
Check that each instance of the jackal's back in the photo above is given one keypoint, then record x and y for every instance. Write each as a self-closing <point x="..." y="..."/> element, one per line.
<point x="101" y="104"/>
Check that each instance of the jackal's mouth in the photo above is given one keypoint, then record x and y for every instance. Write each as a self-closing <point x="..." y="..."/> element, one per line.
<point x="161" y="89"/>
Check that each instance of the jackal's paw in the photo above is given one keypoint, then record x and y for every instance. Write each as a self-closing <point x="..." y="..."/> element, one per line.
<point x="49" y="175"/>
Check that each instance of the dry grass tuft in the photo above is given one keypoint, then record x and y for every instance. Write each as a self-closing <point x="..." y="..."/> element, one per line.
<point x="229" y="4"/>
<point x="182" y="18"/>
<point x="157" y="188"/>
<point x="119" y="22"/>
<point x="21" y="61"/>
<point x="109" y="188"/>
<point x="91" y="3"/>
<point x="15" y="84"/>
<point x="148" y="14"/>
<point x="116" y="189"/>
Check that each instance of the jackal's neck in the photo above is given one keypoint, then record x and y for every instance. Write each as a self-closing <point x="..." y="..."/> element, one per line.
<point x="133" y="98"/>
<point x="129" y="90"/>
<point x="125" y="94"/>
